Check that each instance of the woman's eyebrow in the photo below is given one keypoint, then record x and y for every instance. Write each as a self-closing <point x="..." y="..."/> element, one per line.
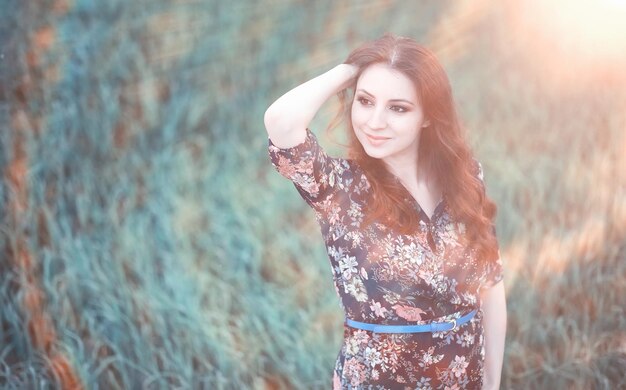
<point x="392" y="100"/>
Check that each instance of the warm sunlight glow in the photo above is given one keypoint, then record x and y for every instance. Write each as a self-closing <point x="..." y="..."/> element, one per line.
<point x="596" y="28"/>
<point x="568" y="43"/>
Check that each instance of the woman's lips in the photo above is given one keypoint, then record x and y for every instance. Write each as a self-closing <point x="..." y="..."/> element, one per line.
<point x="376" y="141"/>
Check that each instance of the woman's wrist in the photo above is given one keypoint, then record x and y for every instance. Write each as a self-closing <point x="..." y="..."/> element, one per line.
<point x="349" y="69"/>
<point x="346" y="72"/>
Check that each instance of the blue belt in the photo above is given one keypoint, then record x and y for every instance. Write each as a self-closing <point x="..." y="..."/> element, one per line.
<point x="432" y="327"/>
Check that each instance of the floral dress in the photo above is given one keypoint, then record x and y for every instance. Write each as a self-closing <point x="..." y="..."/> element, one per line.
<point x="385" y="277"/>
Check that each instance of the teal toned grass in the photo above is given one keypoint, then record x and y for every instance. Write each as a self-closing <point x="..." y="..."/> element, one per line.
<point x="171" y="253"/>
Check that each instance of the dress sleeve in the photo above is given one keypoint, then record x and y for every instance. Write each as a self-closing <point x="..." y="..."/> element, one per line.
<point x="493" y="271"/>
<point x="315" y="175"/>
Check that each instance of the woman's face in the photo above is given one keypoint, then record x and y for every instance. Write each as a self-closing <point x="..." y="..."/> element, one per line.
<point x="386" y="115"/>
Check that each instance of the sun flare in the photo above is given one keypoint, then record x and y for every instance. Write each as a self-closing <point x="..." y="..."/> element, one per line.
<point x="594" y="28"/>
<point x="568" y="43"/>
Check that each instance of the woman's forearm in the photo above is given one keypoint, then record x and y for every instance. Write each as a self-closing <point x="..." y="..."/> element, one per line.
<point x="494" y="323"/>
<point x="297" y="107"/>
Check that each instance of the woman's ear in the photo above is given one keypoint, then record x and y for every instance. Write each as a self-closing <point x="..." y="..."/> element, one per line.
<point x="426" y="123"/>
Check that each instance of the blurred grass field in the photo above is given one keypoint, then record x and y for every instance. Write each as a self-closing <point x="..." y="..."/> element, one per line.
<point x="147" y="241"/>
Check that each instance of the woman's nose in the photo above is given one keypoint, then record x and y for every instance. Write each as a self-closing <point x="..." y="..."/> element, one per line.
<point x="377" y="119"/>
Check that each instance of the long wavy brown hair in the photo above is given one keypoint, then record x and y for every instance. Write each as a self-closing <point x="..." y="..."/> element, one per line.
<point x="443" y="153"/>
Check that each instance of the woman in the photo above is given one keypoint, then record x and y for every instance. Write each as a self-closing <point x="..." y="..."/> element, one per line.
<point x="406" y="222"/>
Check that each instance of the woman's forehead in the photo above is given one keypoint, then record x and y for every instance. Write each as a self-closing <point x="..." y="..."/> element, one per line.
<point x="384" y="82"/>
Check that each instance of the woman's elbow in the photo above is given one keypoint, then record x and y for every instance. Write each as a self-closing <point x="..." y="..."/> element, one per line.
<point x="276" y="122"/>
<point x="270" y="118"/>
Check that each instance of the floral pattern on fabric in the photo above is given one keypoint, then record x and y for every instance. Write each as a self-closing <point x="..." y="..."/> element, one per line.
<point x="384" y="277"/>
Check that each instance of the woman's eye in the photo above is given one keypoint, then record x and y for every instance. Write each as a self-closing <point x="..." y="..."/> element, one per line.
<point x="364" y="101"/>
<point x="399" y="109"/>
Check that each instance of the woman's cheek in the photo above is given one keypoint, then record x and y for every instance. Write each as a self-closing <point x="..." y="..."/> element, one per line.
<point x="356" y="115"/>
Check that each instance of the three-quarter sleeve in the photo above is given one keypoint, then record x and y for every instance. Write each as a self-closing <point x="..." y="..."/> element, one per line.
<point x="315" y="174"/>
<point x="493" y="271"/>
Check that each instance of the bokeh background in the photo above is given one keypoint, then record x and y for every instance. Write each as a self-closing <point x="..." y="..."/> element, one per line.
<point x="147" y="242"/>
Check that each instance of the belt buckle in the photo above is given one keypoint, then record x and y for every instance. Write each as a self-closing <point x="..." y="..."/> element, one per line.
<point x="454" y="324"/>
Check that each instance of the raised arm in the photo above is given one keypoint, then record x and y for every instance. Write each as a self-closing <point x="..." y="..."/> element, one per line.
<point x="288" y="117"/>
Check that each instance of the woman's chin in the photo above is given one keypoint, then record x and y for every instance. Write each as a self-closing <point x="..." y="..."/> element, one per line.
<point x="374" y="152"/>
